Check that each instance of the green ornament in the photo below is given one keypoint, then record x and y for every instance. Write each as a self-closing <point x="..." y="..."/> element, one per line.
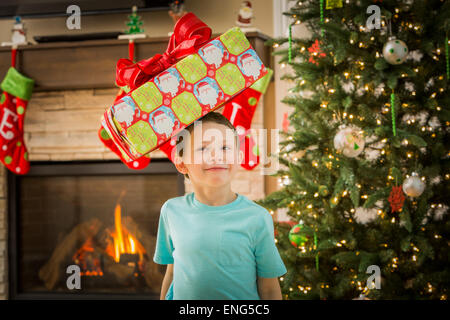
<point x="8" y="159"/>
<point x="299" y="235"/>
<point x="323" y="191"/>
<point x="20" y="110"/>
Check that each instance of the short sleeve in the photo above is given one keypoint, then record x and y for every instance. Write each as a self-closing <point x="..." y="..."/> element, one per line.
<point x="164" y="246"/>
<point x="268" y="260"/>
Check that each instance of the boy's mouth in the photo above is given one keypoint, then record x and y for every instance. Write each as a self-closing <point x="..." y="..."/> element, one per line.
<point x="216" y="168"/>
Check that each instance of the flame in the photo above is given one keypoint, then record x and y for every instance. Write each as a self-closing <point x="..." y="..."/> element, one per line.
<point x="132" y="247"/>
<point x="124" y="241"/>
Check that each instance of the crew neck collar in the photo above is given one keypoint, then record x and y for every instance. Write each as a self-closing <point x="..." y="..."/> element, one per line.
<point x="224" y="207"/>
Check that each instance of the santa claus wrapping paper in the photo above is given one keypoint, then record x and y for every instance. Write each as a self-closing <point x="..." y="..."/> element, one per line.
<point x="168" y="92"/>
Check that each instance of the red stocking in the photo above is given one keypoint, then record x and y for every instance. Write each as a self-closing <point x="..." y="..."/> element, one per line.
<point x="17" y="90"/>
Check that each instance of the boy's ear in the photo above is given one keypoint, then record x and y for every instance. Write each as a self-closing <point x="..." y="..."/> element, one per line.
<point x="241" y="156"/>
<point x="179" y="164"/>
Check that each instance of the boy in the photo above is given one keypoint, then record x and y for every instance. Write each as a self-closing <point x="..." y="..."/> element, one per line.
<point x="217" y="244"/>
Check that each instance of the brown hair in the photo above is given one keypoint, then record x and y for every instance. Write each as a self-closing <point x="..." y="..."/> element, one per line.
<point x="215" y="117"/>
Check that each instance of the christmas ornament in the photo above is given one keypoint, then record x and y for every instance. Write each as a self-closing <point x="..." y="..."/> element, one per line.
<point x="134" y="23"/>
<point x="299" y="235"/>
<point x="321" y="18"/>
<point x="17" y="90"/>
<point x="176" y="10"/>
<point x="331" y="4"/>
<point x="413" y="186"/>
<point x="364" y="216"/>
<point x="323" y="191"/>
<point x="245" y="15"/>
<point x="285" y="122"/>
<point x="395" y="51"/>
<point x="394" y="130"/>
<point x="18" y="35"/>
<point x="349" y="141"/>
<point x="396" y="199"/>
<point x="316" y="52"/>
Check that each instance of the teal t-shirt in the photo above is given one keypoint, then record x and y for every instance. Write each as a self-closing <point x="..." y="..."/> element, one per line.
<point x="217" y="251"/>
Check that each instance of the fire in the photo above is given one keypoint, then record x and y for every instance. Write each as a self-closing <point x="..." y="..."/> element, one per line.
<point x="121" y="244"/>
<point x="124" y="241"/>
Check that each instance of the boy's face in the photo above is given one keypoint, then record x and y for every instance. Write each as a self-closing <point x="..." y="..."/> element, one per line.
<point x="211" y="156"/>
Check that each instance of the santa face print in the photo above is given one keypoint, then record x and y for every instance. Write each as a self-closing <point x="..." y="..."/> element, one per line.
<point x="124" y="111"/>
<point x="163" y="121"/>
<point x="168" y="83"/>
<point x="207" y="94"/>
<point x="213" y="54"/>
<point x="250" y="65"/>
<point x="212" y="156"/>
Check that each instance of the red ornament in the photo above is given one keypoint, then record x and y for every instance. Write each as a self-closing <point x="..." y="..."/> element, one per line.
<point x="315" y="51"/>
<point x="396" y="198"/>
<point x="285" y="122"/>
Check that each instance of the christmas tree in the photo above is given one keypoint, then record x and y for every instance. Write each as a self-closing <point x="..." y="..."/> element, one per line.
<point x="365" y="169"/>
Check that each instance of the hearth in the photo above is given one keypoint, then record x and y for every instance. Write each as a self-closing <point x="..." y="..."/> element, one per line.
<point x="99" y="216"/>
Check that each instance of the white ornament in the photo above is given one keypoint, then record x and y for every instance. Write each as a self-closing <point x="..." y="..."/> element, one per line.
<point x="429" y="84"/>
<point x="409" y="86"/>
<point x="349" y="141"/>
<point x="378" y="90"/>
<point x="395" y="51"/>
<point x="413" y="186"/>
<point x="348" y="87"/>
<point x="364" y="216"/>
<point x="415" y="55"/>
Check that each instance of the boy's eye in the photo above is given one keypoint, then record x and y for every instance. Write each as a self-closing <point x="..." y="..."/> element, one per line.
<point x="224" y="147"/>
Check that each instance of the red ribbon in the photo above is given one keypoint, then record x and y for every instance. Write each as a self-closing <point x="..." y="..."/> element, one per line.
<point x="189" y="34"/>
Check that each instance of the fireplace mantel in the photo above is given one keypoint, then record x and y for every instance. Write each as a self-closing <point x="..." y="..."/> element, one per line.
<point x="91" y="64"/>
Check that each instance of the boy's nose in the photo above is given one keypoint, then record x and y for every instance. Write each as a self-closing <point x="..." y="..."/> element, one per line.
<point x="216" y="155"/>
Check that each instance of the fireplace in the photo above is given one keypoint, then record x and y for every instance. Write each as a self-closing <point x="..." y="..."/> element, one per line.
<point x="99" y="217"/>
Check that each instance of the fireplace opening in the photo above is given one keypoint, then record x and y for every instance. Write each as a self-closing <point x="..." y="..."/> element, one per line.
<point x="100" y="218"/>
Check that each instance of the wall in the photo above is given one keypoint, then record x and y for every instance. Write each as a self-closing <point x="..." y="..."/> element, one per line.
<point x="218" y="14"/>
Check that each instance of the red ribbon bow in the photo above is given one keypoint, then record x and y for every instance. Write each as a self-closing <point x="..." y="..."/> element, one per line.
<point x="189" y="34"/>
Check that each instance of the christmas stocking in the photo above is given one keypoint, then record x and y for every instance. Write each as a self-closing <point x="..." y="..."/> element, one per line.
<point x="138" y="164"/>
<point x="17" y="90"/>
<point x="240" y="111"/>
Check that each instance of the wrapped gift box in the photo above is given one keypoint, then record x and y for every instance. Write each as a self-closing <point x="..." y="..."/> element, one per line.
<point x="148" y="116"/>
